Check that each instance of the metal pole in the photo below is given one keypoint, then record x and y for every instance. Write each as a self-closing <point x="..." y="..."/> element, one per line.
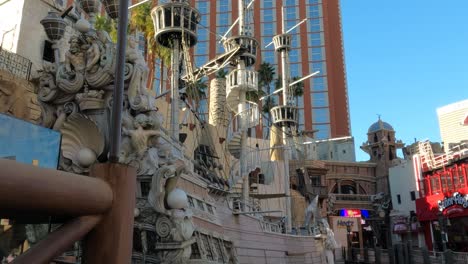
<point x="116" y="122"/>
<point x="242" y="114"/>
<point x="56" y="54"/>
<point x="243" y="139"/>
<point x="241" y="17"/>
<point x="285" y="74"/>
<point x="58" y="241"/>
<point x="287" y="191"/>
<point x="285" y="81"/>
<point x="175" y="90"/>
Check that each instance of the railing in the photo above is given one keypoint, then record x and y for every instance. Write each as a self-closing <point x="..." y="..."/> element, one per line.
<point x="15" y="64"/>
<point x="242" y="78"/>
<point x="271" y="227"/>
<point x="449" y="180"/>
<point x="353" y="197"/>
<point x="284" y="114"/>
<point x="249" y="117"/>
<point x="429" y="161"/>
<point x="252" y="160"/>
<point x="318" y="190"/>
<point x="400" y="255"/>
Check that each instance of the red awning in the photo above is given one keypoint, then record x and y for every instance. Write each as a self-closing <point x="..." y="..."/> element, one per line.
<point x="427" y="208"/>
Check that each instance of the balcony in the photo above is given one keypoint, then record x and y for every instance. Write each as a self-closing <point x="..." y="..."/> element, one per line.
<point x="15" y="64"/>
<point x="321" y="191"/>
<point x="449" y="180"/>
<point x="358" y="201"/>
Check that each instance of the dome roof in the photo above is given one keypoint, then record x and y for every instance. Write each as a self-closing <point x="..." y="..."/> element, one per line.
<point x="380" y="125"/>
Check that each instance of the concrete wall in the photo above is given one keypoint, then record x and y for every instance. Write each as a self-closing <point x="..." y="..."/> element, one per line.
<point x="22" y="31"/>
<point x="10" y="23"/>
<point x="337" y="149"/>
<point x="402" y="182"/>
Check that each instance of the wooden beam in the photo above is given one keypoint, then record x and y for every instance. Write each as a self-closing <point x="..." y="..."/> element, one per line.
<point x="267" y="195"/>
<point x="257" y="212"/>
<point x="111" y="241"/>
<point x="58" y="241"/>
<point x="27" y="189"/>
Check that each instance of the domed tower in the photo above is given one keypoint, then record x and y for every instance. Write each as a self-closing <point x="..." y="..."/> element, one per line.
<point x="382" y="148"/>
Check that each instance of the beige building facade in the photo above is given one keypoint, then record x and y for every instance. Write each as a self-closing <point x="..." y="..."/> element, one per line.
<point x="452" y="118"/>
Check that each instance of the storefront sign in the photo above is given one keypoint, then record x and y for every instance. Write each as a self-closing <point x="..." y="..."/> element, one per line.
<point x="350" y="212"/>
<point x="456" y="199"/>
<point x="354" y="213"/>
<point x="344" y="223"/>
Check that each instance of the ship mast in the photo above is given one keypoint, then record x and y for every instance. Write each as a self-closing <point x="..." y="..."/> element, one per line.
<point x="240" y="81"/>
<point x="241" y="107"/>
<point x="286" y="115"/>
<point x="175" y="24"/>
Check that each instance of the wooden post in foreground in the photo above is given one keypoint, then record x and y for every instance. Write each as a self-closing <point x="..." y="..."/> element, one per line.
<point x="111" y="240"/>
<point x="58" y="241"/>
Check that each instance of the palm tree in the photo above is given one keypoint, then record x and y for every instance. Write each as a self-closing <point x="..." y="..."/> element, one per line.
<point x="266" y="73"/>
<point x="268" y="103"/>
<point x="196" y="92"/>
<point x="107" y="24"/>
<point x="221" y="74"/>
<point x="297" y="89"/>
<point x="140" y="20"/>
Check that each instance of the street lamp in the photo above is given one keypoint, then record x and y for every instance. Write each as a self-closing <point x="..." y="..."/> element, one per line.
<point x="112" y="8"/>
<point x="348" y="229"/>
<point x="54" y="27"/>
<point x="91" y="8"/>
<point x="443" y="232"/>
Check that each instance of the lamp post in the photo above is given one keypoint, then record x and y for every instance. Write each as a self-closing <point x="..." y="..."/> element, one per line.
<point x="91" y="8"/>
<point x="54" y="27"/>
<point x="443" y="232"/>
<point x="348" y="239"/>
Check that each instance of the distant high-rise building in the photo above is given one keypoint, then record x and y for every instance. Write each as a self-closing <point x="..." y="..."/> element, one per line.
<point x="317" y="46"/>
<point x="453" y="123"/>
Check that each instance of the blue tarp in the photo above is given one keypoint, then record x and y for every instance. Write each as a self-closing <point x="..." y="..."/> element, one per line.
<point x="28" y="143"/>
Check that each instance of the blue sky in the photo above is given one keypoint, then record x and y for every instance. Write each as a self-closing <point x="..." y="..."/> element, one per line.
<point x="404" y="59"/>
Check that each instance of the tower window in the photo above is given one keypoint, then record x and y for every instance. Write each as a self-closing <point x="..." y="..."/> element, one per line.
<point x="376" y="139"/>
<point x="413" y="195"/>
<point x="48" y="52"/>
<point x="315" y="180"/>
<point x="398" y="198"/>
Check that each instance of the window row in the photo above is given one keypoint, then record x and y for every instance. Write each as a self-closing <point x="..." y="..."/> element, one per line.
<point x="200" y="205"/>
<point x="212" y="248"/>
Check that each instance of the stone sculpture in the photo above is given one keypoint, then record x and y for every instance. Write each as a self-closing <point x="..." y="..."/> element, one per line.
<point x="321" y="229"/>
<point x="76" y="98"/>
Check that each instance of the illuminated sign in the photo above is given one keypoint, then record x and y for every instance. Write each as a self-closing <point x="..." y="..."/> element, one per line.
<point x="350" y="213"/>
<point x="354" y="213"/>
<point x="456" y="199"/>
<point x="344" y="223"/>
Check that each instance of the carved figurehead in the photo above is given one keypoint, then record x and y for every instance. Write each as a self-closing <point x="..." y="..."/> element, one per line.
<point x="175" y="223"/>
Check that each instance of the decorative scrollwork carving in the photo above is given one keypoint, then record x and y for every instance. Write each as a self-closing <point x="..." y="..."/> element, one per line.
<point x="163" y="226"/>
